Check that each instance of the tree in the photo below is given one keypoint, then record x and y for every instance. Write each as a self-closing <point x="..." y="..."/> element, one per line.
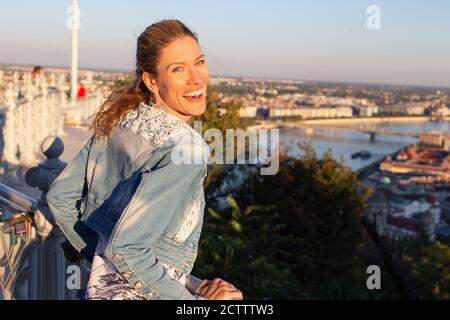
<point x="223" y="116"/>
<point x="297" y="234"/>
<point x="430" y="269"/>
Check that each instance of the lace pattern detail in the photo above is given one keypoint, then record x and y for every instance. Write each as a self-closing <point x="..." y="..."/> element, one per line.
<point x="192" y="217"/>
<point x="106" y="283"/>
<point x="154" y="124"/>
<point x="111" y="286"/>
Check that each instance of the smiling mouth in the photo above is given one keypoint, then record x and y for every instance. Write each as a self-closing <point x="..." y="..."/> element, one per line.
<point x="194" y="96"/>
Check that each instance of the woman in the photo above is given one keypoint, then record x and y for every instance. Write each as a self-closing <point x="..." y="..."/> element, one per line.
<point x="126" y="201"/>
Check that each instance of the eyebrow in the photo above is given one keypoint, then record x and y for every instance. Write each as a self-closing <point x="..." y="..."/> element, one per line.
<point x="202" y="56"/>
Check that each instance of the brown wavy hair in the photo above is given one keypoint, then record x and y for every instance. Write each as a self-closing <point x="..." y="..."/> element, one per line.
<point x="149" y="45"/>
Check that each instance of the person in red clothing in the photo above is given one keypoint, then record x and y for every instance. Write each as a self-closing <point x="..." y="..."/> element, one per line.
<point x="81" y="92"/>
<point x="37" y="71"/>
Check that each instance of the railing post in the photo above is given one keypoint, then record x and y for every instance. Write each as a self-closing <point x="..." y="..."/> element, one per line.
<point x="58" y="108"/>
<point x="43" y="110"/>
<point x="53" y="264"/>
<point x="45" y="173"/>
<point x="27" y="154"/>
<point x="9" y="157"/>
<point x="9" y="151"/>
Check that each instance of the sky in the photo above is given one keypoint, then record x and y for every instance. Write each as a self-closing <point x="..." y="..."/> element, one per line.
<point x="323" y="40"/>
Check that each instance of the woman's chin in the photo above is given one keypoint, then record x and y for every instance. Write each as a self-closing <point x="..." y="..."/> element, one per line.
<point x="197" y="110"/>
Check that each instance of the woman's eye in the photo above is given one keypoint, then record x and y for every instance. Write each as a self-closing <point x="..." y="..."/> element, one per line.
<point x="177" y="69"/>
<point x="201" y="62"/>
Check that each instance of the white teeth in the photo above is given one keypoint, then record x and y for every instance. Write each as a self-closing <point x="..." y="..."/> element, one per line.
<point x="193" y="93"/>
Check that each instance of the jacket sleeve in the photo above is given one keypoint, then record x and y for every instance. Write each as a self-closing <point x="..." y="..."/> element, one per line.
<point x="146" y="216"/>
<point x="64" y="200"/>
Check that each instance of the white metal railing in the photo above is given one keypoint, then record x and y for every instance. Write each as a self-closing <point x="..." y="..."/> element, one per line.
<point x="32" y="262"/>
<point x="77" y="112"/>
<point x="32" y="265"/>
<point x="32" y="109"/>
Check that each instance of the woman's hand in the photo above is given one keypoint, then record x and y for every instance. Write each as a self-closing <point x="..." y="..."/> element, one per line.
<point x="218" y="289"/>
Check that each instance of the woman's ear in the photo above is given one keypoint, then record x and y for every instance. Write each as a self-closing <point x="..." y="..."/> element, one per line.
<point x="150" y="82"/>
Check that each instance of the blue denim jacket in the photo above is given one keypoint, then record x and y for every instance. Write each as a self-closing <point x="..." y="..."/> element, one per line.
<point x="142" y="187"/>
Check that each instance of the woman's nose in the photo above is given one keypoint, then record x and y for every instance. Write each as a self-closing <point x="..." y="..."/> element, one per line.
<point x="194" y="77"/>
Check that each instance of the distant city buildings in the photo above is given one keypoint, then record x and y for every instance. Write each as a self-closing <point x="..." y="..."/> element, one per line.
<point x="398" y="215"/>
<point x="275" y="99"/>
<point x="436" y="139"/>
<point x="295" y="99"/>
<point x="441" y="111"/>
<point x="408" y="109"/>
<point x="414" y="159"/>
<point x="312" y="113"/>
<point x="365" y="111"/>
<point x="411" y="194"/>
<point x="248" y="112"/>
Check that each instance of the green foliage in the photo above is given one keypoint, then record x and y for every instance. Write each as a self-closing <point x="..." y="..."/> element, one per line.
<point x="123" y="82"/>
<point x="225" y="116"/>
<point x="431" y="270"/>
<point x="293" y="235"/>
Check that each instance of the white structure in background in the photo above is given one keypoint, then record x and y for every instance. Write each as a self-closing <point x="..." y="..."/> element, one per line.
<point x="311" y="113"/>
<point x="395" y="220"/>
<point x="78" y="111"/>
<point x="31" y="110"/>
<point x="367" y="111"/>
<point x="409" y="108"/>
<point x="74" y="71"/>
<point x="247" y="112"/>
<point x="442" y="111"/>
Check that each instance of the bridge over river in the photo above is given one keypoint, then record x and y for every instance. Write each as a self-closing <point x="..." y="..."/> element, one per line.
<point x="372" y="131"/>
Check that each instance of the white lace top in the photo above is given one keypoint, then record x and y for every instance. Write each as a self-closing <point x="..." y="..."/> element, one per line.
<point x="154" y="124"/>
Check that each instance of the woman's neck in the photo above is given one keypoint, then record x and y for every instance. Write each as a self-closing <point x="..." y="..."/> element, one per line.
<point x="182" y="117"/>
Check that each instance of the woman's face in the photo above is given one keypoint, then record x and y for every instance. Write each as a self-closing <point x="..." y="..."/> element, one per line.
<point x="182" y="78"/>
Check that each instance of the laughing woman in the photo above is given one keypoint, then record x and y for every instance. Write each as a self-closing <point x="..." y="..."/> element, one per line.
<point x="127" y="201"/>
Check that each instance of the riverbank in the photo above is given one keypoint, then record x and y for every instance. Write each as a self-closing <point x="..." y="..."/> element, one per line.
<point x="371" y="120"/>
<point x="367" y="170"/>
<point x="341" y="121"/>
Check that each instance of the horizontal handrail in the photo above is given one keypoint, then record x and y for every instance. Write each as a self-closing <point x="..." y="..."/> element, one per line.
<point x="17" y="198"/>
<point x="19" y="201"/>
<point x="192" y="284"/>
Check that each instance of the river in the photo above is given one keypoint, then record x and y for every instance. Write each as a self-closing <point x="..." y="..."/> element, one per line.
<point x="343" y="143"/>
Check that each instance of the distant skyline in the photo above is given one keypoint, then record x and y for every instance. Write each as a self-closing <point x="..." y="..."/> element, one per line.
<point x="306" y="40"/>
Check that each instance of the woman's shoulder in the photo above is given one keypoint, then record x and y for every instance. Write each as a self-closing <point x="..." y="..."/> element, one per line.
<point x="155" y="125"/>
<point x="170" y="137"/>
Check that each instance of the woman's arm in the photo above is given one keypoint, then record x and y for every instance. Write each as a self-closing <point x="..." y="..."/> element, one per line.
<point x="146" y="216"/>
<point x="63" y="199"/>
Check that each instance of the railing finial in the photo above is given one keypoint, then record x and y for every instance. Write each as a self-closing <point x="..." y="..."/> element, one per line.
<point x="46" y="172"/>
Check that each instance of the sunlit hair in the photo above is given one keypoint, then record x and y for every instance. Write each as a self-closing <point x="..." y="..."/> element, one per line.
<point x="149" y="46"/>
